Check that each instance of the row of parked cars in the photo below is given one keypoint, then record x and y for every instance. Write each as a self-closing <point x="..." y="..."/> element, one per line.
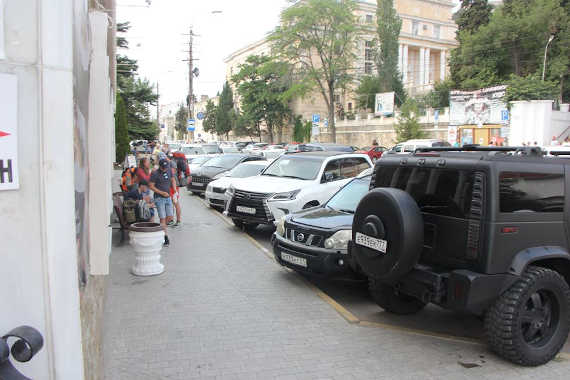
<point x="480" y="230"/>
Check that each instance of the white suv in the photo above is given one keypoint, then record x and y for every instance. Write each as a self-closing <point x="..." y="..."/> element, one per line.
<point x="291" y="183"/>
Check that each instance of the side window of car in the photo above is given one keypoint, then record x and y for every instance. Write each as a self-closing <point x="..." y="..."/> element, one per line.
<point x="351" y="167"/>
<point x="531" y="192"/>
<point x="408" y="148"/>
<point x="332" y="171"/>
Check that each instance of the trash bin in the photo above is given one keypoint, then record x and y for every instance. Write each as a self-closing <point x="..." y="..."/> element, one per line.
<point x="146" y="239"/>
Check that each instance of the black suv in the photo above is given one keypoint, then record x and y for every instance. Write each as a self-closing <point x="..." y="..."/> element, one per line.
<point x="478" y="230"/>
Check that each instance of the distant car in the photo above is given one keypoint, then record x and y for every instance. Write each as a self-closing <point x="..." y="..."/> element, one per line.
<point x="229" y="149"/>
<point x="327" y="147"/>
<point x="242" y="144"/>
<point x="292" y="148"/>
<point x="215" y="168"/>
<point x="192" y="151"/>
<point x="291" y="183"/>
<point x="212" y="148"/>
<point x="315" y="241"/>
<point x="255" y="147"/>
<point x="196" y="162"/>
<point x="374" y="152"/>
<point x="216" y="190"/>
<point x="271" y="154"/>
<point x="410" y="146"/>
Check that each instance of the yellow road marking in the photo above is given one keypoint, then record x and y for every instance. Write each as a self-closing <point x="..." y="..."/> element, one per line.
<point x="350" y="318"/>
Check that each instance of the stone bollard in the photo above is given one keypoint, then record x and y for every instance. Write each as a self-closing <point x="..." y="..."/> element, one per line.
<point x="146" y="239"/>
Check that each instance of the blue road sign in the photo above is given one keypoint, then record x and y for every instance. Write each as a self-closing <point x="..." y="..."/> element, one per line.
<point x="316" y="118"/>
<point x="326" y="123"/>
<point x="200" y="116"/>
<point x="436" y="115"/>
<point x="505" y="115"/>
<point x="191" y="121"/>
<point x="162" y="126"/>
<point x="191" y="128"/>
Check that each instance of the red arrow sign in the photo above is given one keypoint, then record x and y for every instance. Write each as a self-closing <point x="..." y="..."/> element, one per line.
<point x="2" y="134"/>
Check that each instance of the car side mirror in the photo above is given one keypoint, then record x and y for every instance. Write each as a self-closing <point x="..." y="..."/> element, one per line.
<point x="327" y="177"/>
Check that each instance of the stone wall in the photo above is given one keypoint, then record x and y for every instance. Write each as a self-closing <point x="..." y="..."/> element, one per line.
<point x="91" y="299"/>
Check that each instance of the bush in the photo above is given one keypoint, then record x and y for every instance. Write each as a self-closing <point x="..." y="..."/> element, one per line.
<point x="529" y="88"/>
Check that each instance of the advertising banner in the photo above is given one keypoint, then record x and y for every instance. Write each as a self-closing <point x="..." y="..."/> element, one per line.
<point x="484" y="106"/>
<point x="384" y="104"/>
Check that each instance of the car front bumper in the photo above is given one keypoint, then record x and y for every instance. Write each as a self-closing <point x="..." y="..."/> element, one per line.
<point x="320" y="261"/>
<point x="215" y="199"/>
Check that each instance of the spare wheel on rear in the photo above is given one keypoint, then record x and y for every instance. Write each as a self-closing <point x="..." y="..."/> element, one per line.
<point x="387" y="219"/>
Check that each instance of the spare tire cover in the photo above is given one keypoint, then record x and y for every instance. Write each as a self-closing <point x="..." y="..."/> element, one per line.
<point x="389" y="214"/>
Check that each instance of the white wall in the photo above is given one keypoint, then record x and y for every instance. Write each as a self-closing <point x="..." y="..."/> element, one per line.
<point x="535" y="120"/>
<point x="38" y="257"/>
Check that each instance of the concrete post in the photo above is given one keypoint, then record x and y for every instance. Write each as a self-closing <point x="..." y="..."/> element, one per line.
<point x="442" y="65"/>
<point x="428" y="68"/>
<point x="422" y="66"/>
<point x="405" y="64"/>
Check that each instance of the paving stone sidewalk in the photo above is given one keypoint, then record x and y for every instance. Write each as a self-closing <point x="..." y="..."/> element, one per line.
<point x="224" y="310"/>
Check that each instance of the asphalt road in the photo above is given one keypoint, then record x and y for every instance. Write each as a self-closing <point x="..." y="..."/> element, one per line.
<point x="353" y="297"/>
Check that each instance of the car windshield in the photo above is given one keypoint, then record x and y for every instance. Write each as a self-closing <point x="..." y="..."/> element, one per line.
<point x="246" y="170"/>
<point x="225" y="162"/>
<point x="200" y="160"/>
<point x="192" y="150"/>
<point x="211" y="149"/>
<point x="298" y="167"/>
<point x="348" y="197"/>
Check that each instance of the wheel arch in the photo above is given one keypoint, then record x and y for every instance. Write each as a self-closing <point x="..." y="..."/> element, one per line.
<point x="551" y="257"/>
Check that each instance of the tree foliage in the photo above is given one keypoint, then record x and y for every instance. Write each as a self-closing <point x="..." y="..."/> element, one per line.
<point x="529" y="88"/>
<point x="366" y="92"/>
<point x="209" y="123"/>
<point x="513" y="42"/>
<point x="408" y="126"/>
<point x="301" y="131"/>
<point x="225" y="114"/>
<point x="263" y="84"/>
<point x="137" y="94"/>
<point x="472" y="15"/>
<point x="319" y="38"/>
<point x="438" y="97"/>
<point x="121" y="131"/>
<point x="181" y="122"/>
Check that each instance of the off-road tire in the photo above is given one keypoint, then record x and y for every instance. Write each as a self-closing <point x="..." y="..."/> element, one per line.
<point x="396" y="303"/>
<point x="504" y="320"/>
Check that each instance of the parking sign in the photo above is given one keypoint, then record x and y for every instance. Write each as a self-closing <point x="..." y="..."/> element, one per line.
<point x="316" y="118"/>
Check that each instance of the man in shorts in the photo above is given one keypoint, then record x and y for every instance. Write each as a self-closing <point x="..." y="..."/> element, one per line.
<point x="161" y="181"/>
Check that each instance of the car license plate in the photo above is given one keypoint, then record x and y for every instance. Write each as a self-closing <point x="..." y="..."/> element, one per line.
<point x="372" y="243"/>
<point x="198" y="184"/>
<point x="246" y="210"/>
<point x="294" y="259"/>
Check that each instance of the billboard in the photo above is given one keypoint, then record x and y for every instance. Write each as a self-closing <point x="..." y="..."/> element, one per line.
<point x="384" y="104"/>
<point x="484" y="106"/>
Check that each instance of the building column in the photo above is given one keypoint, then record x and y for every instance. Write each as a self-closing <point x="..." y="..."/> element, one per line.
<point x="442" y="65"/>
<point x="405" y="64"/>
<point x="422" y="66"/>
<point x="400" y="57"/>
<point x="427" y="69"/>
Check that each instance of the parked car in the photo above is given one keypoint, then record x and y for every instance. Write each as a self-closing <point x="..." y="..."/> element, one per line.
<point x="326" y="147"/>
<point x="476" y="231"/>
<point x="192" y="151"/>
<point x="315" y="241"/>
<point x="212" y="149"/>
<point x="271" y="154"/>
<point x="291" y="183"/>
<point x="195" y="162"/>
<point x="242" y="144"/>
<point x="229" y="149"/>
<point x="293" y="147"/>
<point x="411" y="145"/>
<point x="216" y="190"/>
<point x="215" y="168"/>
<point x="374" y="152"/>
<point x="254" y="147"/>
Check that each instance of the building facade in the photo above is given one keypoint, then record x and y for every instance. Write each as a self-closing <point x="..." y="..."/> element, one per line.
<point x="57" y="85"/>
<point x="427" y="36"/>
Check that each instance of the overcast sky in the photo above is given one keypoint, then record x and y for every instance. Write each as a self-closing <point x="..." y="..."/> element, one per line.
<point x="157" y="38"/>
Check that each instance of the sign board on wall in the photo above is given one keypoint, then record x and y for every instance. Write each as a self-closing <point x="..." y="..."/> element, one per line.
<point x="9" y="179"/>
<point x="452" y="135"/>
<point x="384" y="104"/>
<point x="484" y="106"/>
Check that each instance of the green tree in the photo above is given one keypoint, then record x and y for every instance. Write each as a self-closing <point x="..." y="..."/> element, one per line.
<point x="367" y="90"/>
<point x="209" y="123"/>
<point x="318" y="37"/>
<point x="529" y="88"/>
<point x="408" y="126"/>
<point x="121" y="131"/>
<point x="225" y="115"/>
<point x="245" y="126"/>
<point x="389" y="25"/>
<point x="438" y="97"/>
<point x="181" y="122"/>
<point x="263" y="84"/>
<point x="472" y="15"/>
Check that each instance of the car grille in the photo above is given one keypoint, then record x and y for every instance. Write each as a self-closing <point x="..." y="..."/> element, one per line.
<point x="306" y="237"/>
<point x="219" y="202"/>
<point x="201" y="179"/>
<point x="254" y="200"/>
<point x="218" y="190"/>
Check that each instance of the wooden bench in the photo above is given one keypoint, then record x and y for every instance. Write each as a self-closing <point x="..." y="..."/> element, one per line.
<point x="118" y="207"/>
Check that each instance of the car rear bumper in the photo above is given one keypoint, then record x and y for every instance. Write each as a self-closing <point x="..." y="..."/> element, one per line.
<point x="320" y="261"/>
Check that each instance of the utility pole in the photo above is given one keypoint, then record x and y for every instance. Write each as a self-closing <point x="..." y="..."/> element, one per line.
<point x="190" y="81"/>
<point x="158" y="109"/>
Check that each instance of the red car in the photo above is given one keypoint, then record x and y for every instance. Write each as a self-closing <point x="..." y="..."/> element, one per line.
<point x="374" y="152"/>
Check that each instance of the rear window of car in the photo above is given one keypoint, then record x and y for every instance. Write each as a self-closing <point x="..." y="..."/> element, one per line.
<point x="445" y="192"/>
<point x="531" y="192"/>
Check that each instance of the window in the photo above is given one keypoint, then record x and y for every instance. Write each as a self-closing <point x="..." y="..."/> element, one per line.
<point x="437" y="31"/>
<point x="291" y="167"/>
<point x="332" y="171"/>
<point x="368" y="67"/>
<point x="351" y="167"/>
<point x="368" y="57"/>
<point x="369" y="19"/>
<point x="349" y="107"/>
<point x="444" y="192"/>
<point x="337" y="98"/>
<point x="531" y="192"/>
<point x="348" y="197"/>
<point x="415" y="28"/>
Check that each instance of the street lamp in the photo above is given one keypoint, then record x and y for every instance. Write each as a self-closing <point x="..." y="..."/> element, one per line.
<point x="545" y="52"/>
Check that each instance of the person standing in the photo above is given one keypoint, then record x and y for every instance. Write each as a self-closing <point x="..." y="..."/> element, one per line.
<point x="161" y="181"/>
<point x="143" y="171"/>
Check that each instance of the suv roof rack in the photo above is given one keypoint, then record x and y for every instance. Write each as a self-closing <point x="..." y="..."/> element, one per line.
<point x="522" y="150"/>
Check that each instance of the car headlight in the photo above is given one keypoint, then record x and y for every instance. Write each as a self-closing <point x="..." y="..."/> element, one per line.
<point x="281" y="226"/>
<point x="339" y="240"/>
<point x="288" y="196"/>
<point x="230" y="191"/>
<point x="209" y="188"/>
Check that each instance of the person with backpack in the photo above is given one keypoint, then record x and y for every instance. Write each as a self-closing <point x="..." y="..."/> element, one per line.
<point x="161" y="181"/>
<point x="144" y="207"/>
